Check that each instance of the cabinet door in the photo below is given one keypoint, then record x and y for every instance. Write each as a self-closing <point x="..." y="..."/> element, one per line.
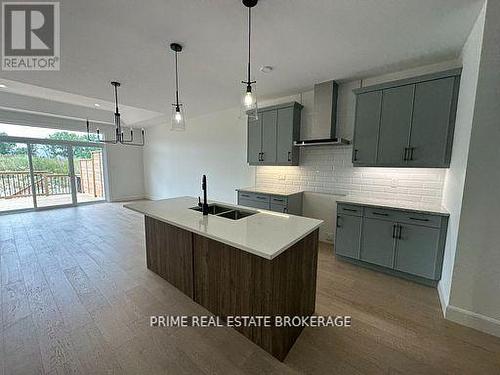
<point x="254" y="141"/>
<point x="395" y="123"/>
<point x="431" y="130"/>
<point x="285" y="139"/>
<point x="417" y="250"/>
<point x="269" y="119"/>
<point x="377" y="242"/>
<point x="347" y="237"/>
<point x="366" y="128"/>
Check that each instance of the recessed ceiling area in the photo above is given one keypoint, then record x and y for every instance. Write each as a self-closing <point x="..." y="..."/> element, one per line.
<point x="304" y="41"/>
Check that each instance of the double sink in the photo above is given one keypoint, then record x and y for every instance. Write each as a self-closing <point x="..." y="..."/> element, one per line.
<point x="226" y="212"/>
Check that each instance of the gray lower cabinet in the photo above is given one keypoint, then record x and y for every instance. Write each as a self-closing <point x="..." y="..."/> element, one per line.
<point x="417" y="250"/>
<point x="377" y="242"/>
<point x="366" y="129"/>
<point x="407" y="123"/>
<point x="347" y="239"/>
<point x="270" y="137"/>
<point x="291" y="203"/>
<point x="411" y="243"/>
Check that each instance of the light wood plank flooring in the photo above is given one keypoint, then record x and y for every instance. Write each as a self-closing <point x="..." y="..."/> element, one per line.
<point x="76" y="299"/>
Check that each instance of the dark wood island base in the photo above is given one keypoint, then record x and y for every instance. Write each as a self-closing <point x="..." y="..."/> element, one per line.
<point x="231" y="282"/>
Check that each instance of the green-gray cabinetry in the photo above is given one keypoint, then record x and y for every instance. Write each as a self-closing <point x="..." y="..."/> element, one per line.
<point x="284" y="203"/>
<point x="271" y="136"/>
<point x="401" y="242"/>
<point x="406" y="123"/>
<point x="368" y="106"/>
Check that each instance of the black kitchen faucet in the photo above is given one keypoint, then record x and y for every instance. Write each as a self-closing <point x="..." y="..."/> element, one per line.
<point x="204" y="205"/>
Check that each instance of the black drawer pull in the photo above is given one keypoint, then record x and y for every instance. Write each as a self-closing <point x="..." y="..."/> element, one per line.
<point x="418" y="219"/>
<point x="349" y="209"/>
<point x="262" y="198"/>
<point x="380" y="213"/>
<point x="394" y="230"/>
<point x="245" y="195"/>
<point x="277" y="200"/>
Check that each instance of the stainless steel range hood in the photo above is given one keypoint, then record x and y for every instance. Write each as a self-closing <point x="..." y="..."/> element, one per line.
<point x="325" y="116"/>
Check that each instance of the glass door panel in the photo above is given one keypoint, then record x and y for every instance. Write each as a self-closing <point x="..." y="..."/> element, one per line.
<point x="52" y="175"/>
<point x="88" y="174"/>
<point x="15" y="179"/>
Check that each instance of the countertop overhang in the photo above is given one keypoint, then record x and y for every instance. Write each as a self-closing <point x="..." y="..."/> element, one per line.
<point x="266" y="234"/>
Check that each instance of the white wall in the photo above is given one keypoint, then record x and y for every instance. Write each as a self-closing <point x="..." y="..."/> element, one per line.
<point x="213" y="144"/>
<point x="475" y="287"/>
<point x="455" y="175"/>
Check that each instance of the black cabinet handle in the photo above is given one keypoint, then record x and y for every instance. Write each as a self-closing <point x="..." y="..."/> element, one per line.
<point x="380" y="213"/>
<point x="411" y="153"/>
<point x="400" y="230"/>
<point x="394" y="231"/>
<point x="262" y="198"/>
<point x="245" y="195"/>
<point x="262" y="156"/>
<point x="349" y="209"/>
<point x="418" y="219"/>
<point x="289" y="156"/>
<point x="405" y="156"/>
<point x="338" y="222"/>
<point x="355" y="158"/>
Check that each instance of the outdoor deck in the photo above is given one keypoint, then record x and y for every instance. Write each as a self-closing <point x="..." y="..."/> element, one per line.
<point x="44" y="201"/>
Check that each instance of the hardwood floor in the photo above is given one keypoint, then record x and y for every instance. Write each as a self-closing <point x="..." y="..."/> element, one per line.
<point x="76" y="298"/>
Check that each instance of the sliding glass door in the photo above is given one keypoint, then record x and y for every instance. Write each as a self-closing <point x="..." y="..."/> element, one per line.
<point x="53" y="175"/>
<point x="16" y="185"/>
<point x="37" y="173"/>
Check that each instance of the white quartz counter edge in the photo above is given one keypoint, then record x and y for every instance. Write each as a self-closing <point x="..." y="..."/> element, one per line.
<point x="224" y="240"/>
<point x="270" y="191"/>
<point x="441" y="211"/>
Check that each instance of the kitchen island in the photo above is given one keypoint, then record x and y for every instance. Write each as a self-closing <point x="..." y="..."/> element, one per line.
<point x="236" y="262"/>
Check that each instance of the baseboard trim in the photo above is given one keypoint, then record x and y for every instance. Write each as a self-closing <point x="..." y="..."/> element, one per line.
<point x="474" y="320"/>
<point x="442" y="299"/>
<point x="126" y="199"/>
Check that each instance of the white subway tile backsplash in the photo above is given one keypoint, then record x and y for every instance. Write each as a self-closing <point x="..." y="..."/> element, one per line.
<point x="326" y="169"/>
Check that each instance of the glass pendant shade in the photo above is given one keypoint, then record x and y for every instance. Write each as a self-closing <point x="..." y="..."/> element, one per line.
<point x="249" y="105"/>
<point x="178" y="117"/>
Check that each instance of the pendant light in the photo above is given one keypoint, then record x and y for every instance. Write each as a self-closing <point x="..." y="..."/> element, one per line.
<point x="178" y="115"/>
<point x="249" y="99"/>
<point x="119" y="136"/>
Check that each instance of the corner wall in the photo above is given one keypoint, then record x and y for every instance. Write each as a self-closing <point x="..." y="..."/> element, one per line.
<point x="455" y="175"/>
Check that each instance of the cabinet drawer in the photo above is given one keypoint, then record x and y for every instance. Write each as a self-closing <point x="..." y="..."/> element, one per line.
<point x="255" y="204"/>
<point x="419" y="219"/>
<point x="276" y="199"/>
<point x="254" y="196"/>
<point x="381" y="213"/>
<point x="349" y="209"/>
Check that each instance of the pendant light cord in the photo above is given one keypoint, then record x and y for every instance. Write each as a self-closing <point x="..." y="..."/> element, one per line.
<point x="176" y="82"/>
<point x="249" y="39"/>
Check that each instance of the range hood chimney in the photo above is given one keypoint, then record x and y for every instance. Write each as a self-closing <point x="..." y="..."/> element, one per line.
<point x="325" y="116"/>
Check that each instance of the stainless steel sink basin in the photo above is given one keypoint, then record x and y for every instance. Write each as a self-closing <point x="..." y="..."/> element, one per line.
<point x="225" y="212"/>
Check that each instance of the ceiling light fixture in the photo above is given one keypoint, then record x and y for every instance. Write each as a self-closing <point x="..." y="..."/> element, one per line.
<point x="249" y="100"/>
<point x="119" y="136"/>
<point x="178" y="113"/>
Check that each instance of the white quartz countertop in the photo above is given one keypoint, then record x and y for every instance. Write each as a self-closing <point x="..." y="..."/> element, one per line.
<point x="266" y="234"/>
<point x="400" y="205"/>
<point x="271" y="190"/>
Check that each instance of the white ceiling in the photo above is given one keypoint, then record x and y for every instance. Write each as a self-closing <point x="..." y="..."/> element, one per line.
<point x="307" y="41"/>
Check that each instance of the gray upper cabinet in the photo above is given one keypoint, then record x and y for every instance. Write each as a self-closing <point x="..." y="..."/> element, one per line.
<point x="395" y="123"/>
<point x="254" y="141"/>
<point x="415" y="125"/>
<point x="271" y="137"/>
<point x="368" y="107"/>
<point x="269" y="119"/>
<point x="433" y="120"/>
